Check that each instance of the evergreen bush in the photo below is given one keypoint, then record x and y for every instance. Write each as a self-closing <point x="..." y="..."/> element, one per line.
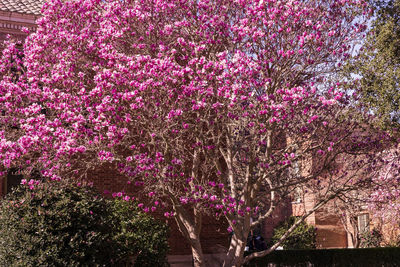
<point x="62" y="223"/>
<point x="371" y="239"/>
<point x="142" y="238"/>
<point x="303" y="237"/>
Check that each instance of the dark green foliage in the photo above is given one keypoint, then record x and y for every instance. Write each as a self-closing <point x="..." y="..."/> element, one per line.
<point x="54" y="224"/>
<point x="371" y="239"/>
<point x="303" y="237"/>
<point x="364" y="257"/>
<point x="144" y="238"/>
<point x="62" y="224"/>
<point x="378" y="65"/>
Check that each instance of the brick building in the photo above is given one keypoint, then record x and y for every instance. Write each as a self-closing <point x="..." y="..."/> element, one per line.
<point x="17" y="14"/>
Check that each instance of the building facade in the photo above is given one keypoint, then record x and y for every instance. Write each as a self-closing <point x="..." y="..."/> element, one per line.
<point x="14" y="15"/>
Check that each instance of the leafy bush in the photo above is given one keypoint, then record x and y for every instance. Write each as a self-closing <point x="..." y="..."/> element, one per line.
<point x="371" y="239"/>
<point x="55" y="223"/>
<point x="62" y="224"/>
<point x="142" y="238"/>
<point x="303" y="237"/>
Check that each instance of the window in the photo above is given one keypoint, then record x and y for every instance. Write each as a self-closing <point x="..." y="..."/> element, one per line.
<point x="363" y="222"/>
<point x="298" y="195"/>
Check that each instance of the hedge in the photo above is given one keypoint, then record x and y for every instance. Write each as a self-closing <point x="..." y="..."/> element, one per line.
<point x="62" y="223"/>
<point x="363" y="257"/>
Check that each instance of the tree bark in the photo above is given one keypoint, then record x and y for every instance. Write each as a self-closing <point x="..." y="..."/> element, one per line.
<point x="194" y="235"/>
<point x="234" y="257"/>
<point x="190" y="227"/>
<point x="197" y="254"/>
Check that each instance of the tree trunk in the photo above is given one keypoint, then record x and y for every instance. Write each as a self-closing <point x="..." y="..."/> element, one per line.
<point x="234" y="257"/>
<point x="355" y="235"/>
<point x="190" y="227"/>
<point x="197" y="254"/>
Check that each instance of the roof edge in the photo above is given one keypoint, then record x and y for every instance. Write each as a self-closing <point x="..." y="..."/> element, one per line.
<point x="18" y="17"/>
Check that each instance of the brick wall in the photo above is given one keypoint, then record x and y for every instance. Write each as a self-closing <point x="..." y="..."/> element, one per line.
<point x="330" y="231"/>
<point x="283" y="211"/>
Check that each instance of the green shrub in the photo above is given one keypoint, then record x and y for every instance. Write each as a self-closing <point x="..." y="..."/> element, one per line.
<point x="303" y="237"/>
<point x="140" y="236"/>
<point x="54" y="224"/>
<point x="371" y="239"/>
<point x="62" y="224"/>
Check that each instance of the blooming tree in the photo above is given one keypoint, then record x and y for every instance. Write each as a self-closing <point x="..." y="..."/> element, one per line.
<point x="349" y="209"/>
<point x="380" y="198"/>
<point x="210" y="107"/>
<point x="384" y="198"/>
